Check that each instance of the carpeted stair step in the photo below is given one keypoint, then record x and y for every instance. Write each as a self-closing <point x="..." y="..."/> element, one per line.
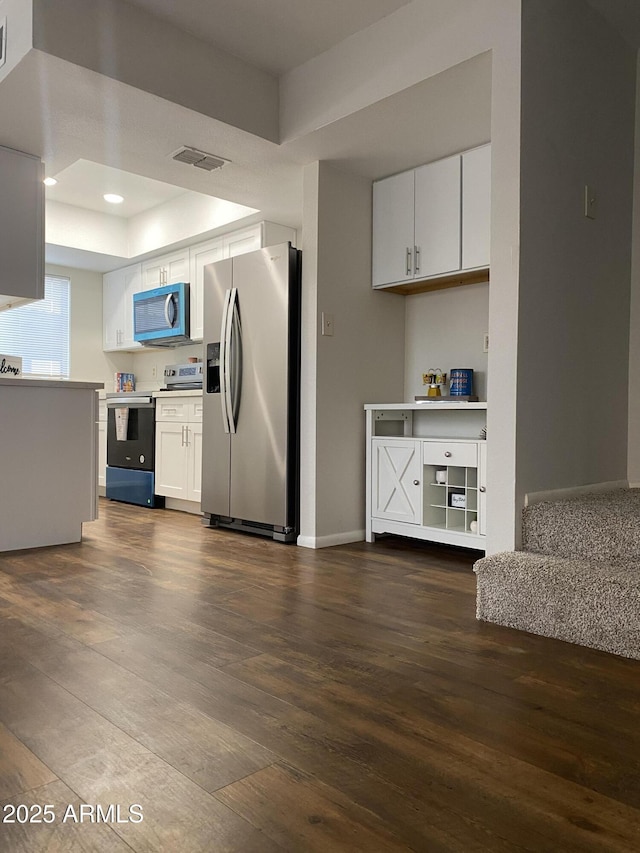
<point x="591" y="603"/>
<point x="600" y="526"/>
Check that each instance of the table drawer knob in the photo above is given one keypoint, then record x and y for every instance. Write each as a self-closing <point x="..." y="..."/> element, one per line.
<point x="447" y="453"/>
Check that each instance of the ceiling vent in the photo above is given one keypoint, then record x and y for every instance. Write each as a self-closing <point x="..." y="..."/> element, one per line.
<point x="193" y="157"/>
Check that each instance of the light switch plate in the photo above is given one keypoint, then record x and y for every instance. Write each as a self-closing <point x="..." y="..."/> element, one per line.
<point x="327" y="324"/>
<point x="590" y="202"/>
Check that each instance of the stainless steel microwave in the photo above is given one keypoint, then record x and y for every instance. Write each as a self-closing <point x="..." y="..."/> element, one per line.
<point x="161" y="315"/>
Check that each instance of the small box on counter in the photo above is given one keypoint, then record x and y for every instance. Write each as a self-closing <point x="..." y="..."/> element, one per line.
<point x="124" y="382"/>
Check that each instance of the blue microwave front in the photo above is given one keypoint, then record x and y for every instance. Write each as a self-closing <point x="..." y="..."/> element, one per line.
<point x="161" y="315"/>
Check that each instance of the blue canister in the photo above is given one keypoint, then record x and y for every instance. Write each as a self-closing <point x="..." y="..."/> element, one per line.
<point x="461" y="382"/>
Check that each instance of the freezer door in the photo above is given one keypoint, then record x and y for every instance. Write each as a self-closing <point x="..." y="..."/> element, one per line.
<point x="259" y="475"/>
<point x="216" y="447"/>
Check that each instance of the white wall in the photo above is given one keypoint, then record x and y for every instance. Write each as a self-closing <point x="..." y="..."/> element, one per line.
<point x="89" y="230"/>
<point x="633" y="469"/>
<point x="578" y="107"/>
<point x="148" y="364"/>
<point x="88" y="362"/>
<point x="183" y="218"/>
<point x="416" y="42"/>
<point x="362" y="362"/>
<point x="445" y="329"/>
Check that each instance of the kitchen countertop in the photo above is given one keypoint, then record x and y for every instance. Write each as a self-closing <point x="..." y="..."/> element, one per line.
<point x="188" y="392"/>
<point x="51" y="383"/>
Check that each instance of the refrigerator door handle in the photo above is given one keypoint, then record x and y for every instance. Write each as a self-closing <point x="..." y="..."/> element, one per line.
<point x="230" y="360"/>
<point x="235" y="361"/>
<point x="225" y="345"/>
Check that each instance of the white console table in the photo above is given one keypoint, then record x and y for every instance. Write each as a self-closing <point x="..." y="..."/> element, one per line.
<point x="407" y="443"/>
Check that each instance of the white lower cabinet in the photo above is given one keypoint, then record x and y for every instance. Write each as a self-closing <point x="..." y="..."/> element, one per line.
<point x="396" y="479"/>
<point x="179" y="447"/>
<point x="430" y="488"/>
<point x="102" y="444"/>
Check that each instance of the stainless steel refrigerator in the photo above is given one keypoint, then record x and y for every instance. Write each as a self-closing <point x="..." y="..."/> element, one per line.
<point x="250" y="444"/>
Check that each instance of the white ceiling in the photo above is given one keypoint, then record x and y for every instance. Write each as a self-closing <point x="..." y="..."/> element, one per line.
<point x="274" y="35"/>
<point x="84" y="183"/>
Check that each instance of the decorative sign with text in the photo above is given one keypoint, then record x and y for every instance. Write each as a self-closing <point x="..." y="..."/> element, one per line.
<point x="10" y="367"/>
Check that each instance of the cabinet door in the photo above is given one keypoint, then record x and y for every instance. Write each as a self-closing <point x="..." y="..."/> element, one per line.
<point x="482" y="488"/>
<point x="102" y="453"/>
<point x="396" y="480"/>
<point x="112" y="300"/>
<point x="132" y="283"/>
<point x="177" y="267"/>
<point x="171" y="460"/>
<point x="476" y="207"/>
<point x="393" y="231"/>
<point x="437" y="218"/>
<point x="200" y="256"/>
<point x="240" y="242"/>
<point x="21" y="225"/>
<point x="194" y="462"/>
<point x="152" y="274"/>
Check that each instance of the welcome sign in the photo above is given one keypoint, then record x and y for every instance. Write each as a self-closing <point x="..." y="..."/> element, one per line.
<point x="10" y="366"/>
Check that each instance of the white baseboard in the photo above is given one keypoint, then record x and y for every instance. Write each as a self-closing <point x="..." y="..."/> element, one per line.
<point x="183" y="506"/>
<point x="332" y="539"/>
<point x="575" y="491"/>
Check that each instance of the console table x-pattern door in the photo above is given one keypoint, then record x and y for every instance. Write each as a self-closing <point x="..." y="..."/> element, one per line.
<point x="397" y="480"/>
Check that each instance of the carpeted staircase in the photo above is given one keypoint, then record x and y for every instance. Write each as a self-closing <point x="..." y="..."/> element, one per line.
<point x="577" y="577"/>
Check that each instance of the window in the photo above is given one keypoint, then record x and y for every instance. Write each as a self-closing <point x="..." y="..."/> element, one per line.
<point x="39" y="331"/>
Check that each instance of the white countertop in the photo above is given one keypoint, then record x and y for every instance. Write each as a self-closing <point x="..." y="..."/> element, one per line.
<point x="51" y="383"/>
<point x="424" y="407"/>
<point x="188" y="392"/>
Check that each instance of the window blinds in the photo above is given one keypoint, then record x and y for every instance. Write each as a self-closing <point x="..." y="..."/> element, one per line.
<point x="39" y="331"/>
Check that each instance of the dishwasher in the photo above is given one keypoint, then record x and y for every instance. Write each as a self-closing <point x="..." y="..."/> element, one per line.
<point x="131" y="444"/>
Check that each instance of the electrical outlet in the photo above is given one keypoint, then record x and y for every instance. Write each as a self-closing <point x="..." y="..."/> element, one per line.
<point x="154" y="372"/>
<point x="485" y="342"/>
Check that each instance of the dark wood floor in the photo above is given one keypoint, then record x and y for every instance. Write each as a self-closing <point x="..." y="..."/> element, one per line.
<point x="251" y="696"/>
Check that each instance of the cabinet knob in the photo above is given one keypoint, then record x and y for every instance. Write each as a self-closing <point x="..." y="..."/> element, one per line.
<point x="482" y="489"/>
<point x="416" y="482"/>
<point x="447" y="453"/>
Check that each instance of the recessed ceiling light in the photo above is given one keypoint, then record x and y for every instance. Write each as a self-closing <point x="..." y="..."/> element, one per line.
<point x="113" y="198"/>
<point x="49" y="182"/>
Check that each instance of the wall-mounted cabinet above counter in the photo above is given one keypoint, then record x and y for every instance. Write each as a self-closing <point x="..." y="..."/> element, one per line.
<point x="185" y="264"/>
<point x="21" y="228"/>
<point x="431" y="225"/>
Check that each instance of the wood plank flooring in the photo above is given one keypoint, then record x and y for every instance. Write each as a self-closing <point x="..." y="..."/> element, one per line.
<point x="251" y="696"/>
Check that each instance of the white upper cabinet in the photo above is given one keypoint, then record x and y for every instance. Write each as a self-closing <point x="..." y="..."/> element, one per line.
<point x="432" y="221"/>
<point x="200" y="256"/>
<point x="476" y="207"/>
<point x="118" y="288"/>
<point x="167" y="269"/>
<point x="437" y="218"/>
<point x="21" y="228"/>
<point x="393" y="229"/>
